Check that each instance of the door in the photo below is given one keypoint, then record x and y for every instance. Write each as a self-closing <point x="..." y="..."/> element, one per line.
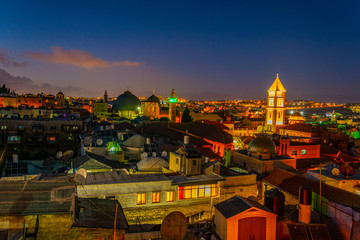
<point x="253" y="228"/>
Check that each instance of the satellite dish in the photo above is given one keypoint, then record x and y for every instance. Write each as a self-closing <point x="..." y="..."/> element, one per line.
<point x="87" y="140"/>
<point x="164" y="154"/>
<point x="59" y="155"/>
<point x="174" y="226"/>
<point x="99" y="142"/>
<point x="68" y="155"/>
<point x="144" y="155"/>
<point x="253" y="198"/>
<point x="80" y="176"/>
<point x="335" y="172"/>
<point x="154" y="154"/>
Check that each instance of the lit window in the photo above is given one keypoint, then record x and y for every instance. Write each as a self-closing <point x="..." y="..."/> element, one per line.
<point x="187" y="192"/>
<point x="272" y="93"/>
<point x="271" y="102"/>
<point x="194" y="191"/>
<point x="207" y="190"/>
<point x="280" y="103"/>
<point x="214" y="191"/>
<point x="303" y="152"/>
<point x="141" y="198"/>
<point x="279" y="94"/>
<point x="155" y="197"/>
<point x="14" y="139"/>
<point x="51" y="138"/>
<point x="181" y="192"/>
<point x="170" y="196"/>
<point x="201" y="191"/>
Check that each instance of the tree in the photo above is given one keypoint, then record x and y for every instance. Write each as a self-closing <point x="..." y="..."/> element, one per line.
<point x="186" y="116"/>
<point x="4" y="89"/>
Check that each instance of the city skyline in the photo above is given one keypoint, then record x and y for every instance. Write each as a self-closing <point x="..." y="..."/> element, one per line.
<point x="212" y="51"/>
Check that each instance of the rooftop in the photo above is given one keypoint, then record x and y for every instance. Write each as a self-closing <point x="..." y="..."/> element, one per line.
<point x="290" y="183"/>
<point x="122" y="177"/>
<point x="34" y="197"/>
<point x="236" y="205"/>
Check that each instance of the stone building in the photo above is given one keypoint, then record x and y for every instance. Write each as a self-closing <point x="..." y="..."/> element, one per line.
<point x="151" y="107"/>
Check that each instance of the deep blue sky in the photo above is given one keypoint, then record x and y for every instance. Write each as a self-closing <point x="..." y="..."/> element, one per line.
<point x="203" y="49"/>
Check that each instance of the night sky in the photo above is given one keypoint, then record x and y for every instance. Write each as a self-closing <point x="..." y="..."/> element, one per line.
<point x="203" y="49"/>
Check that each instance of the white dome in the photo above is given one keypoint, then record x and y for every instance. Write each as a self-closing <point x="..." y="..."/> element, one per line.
<point x="136" y="141"/>
<point x="152" y="164"/>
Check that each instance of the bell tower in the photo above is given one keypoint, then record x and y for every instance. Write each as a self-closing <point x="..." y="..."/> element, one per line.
<point x="172" y="106"/>
<point x="275" y="109"/>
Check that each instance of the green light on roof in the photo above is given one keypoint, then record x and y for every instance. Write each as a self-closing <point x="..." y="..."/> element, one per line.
<point x="173" y="100"/>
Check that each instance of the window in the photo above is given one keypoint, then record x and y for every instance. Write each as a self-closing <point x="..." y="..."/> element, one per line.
<point x="14" y="139"/>
<point x="214" y="191"/>
<point x="187" y="192"/>
<point x="198" y="191"/>
<point x="51" y="138"/>
<point x="155" y="197"/>
<point x="141" y="198"/>
<point x="280" y="103"/>
<point x="303" y="152"/>
<point x="271" y="102"/>
<point x="293" y="152"/>
<point x="177" y="160"/>
<point x="194" y="162"/>
<point x="170" y="196"/>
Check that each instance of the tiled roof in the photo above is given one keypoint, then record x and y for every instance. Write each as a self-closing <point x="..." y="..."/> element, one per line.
<point x="208" y="131"/>
<point x="236" y="205"/>
<point x="290" y="183"/>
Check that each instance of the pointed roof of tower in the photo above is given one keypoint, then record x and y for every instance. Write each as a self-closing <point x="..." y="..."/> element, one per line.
<point x="172" y="93"/>
<point x="277" y="85"/>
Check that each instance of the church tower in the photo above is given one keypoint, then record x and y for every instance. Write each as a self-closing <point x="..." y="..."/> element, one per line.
<point x="275" y="109"/>
<point x="172" y="106"/>
<point x="106" y="97"/>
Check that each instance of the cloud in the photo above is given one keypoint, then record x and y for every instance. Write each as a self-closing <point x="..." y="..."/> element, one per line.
<point x="78" y="58"/>
<point x="27" y="85"/>
<point x="7" y="59"/>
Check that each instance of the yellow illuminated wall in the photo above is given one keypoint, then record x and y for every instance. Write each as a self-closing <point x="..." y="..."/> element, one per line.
<point x="276" y="103"/>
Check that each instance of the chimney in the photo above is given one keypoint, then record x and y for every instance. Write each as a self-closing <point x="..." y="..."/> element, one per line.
<point x="305" y="204"/>
<point x="186" y="139"/>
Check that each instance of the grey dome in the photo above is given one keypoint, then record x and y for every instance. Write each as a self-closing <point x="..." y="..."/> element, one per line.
<point x="262" y="145"/>
<point x="136" y="141"/>
<point x="153" y="98"/>
<point x="126" y="102"/>
<point x="152" y="164"/>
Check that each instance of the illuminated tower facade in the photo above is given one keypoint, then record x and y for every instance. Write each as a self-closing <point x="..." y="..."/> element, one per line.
<point x="172" y="106"/>
<point x="275" y="109"/>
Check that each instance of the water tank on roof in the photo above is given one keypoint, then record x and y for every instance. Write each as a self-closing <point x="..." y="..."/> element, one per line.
<point x="275" y="201"/>
<point x="305" y="195"/>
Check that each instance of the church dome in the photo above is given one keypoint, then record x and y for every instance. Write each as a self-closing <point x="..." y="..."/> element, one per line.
<point x="262" y="145"/>
<point x="136" y="141"/>
<point x="126" y="102"/>
<point x="153" y="98"/>
<point x="152" y="164"/>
